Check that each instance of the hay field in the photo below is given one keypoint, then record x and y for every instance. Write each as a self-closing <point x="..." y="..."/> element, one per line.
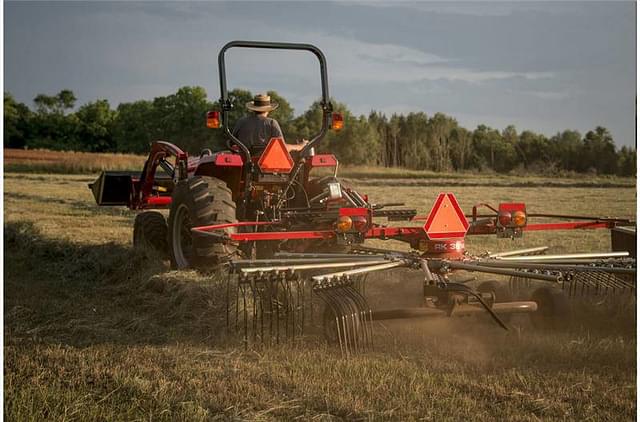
<point x="97" y="331"/>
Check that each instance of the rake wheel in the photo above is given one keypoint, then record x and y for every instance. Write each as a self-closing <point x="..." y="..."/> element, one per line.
<point x="553" y="312"/>
<point x="199" y="201"/>
<point x="150" y="232"/>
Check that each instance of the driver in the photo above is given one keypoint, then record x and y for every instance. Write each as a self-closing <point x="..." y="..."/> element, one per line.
<point x="256" y="129"/>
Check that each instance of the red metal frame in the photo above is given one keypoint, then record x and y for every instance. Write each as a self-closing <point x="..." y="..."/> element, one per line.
<point x="451" y="248"/>
<point x="159" y="150"/>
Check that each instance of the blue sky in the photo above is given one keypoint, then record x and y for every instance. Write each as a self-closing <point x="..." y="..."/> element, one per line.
<point x="538" y="65"/>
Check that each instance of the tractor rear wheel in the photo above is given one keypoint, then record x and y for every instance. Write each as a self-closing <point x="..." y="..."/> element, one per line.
<point x="199" y="201"/>
<point x="554" y="311"/>
<point x="150" y="232"/>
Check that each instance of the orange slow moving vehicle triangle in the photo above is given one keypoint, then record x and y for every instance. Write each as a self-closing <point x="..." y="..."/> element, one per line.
<point x="446" y="220"/>
<point x="275" y="158"/>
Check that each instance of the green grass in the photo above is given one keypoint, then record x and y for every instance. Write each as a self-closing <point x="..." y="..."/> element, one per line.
<point x="95" y="330"/>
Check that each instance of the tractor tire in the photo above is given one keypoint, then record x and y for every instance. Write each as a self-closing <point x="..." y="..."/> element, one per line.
<point x="500" y="294"/>
<point x="199" y="201"/>
<point x="554" y="311"/>
<point x="150" y="232"/>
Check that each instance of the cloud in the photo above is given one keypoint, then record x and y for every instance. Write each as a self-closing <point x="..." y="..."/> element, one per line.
<point x="543" y="66"/>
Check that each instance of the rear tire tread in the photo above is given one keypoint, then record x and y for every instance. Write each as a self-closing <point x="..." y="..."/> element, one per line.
<point x="209" y="202"/>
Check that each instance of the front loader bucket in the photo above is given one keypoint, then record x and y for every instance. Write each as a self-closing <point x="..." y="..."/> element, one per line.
<point x="113" y="187"/>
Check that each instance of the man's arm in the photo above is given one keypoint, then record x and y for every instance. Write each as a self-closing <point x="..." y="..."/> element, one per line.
<point x="297" y="147"/>
<point x="276" y="132"/>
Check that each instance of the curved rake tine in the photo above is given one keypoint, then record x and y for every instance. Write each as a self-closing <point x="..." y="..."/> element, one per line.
<point x="270" y="299"/>
<point x="322" y="294"/>
<point x="354" y="313"/>
<point x="358" y="323"/>
<point x="228" y="299"/>
<point x="351" y="315"/>
<point x="261" y="313"/>
<point x="291" y="309"/>
<point x="363" y="310"/>
<point x="341" y="319"/>
<point x="245" y="316"/>
<point x="254" y="321"/>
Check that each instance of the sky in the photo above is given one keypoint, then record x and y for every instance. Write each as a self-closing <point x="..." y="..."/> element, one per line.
<point x="541" y="66"/>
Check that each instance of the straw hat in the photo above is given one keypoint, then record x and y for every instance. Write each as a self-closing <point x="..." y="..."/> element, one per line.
<point x="261" y="103"/>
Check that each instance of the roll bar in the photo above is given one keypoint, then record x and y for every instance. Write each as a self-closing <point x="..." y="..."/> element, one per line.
<point x="226" y="105"/>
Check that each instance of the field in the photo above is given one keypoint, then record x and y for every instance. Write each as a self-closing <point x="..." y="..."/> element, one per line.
<point x="95" y="330"/>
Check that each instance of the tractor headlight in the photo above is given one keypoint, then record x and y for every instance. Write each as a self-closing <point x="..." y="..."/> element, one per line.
<point x="344" y="223"/>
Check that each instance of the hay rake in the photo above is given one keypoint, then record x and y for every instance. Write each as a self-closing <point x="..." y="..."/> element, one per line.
<point x="277" y="298"/>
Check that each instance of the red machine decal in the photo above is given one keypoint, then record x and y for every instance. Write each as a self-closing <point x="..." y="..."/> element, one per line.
<point x="446" y="220"/>
<point x="275" y="158"/>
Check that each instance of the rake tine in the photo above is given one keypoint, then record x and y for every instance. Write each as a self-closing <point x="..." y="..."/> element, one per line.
<point x="321" y="291"/>
<point x="357" y="316"/>
<point x="282" y="306"/>
<point x="301" y="290"/>
<point x="345" y="289"/>
<point x="237" y="303"/>
<point x="228" y="298"/>
<point x="261" y="296"/>
<point x="254" y="321"/>
<point x="340" y="317"/>
<point x="270" y="297"/>
<point x="364" y="309"/>
<point x="299" y="306"/>
<point x="245" y="316"/>
<point x="352" y="314"/>
<point x="291" y="309"/>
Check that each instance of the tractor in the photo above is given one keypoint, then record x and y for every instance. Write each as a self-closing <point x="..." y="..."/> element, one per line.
<point x="290" y="239"/>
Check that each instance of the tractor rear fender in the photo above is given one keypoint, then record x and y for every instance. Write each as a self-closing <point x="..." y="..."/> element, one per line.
<point x="224" y="166"/>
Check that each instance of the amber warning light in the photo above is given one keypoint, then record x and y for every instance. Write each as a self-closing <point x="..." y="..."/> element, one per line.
<point x="337" y="121"/>
<point x="213" y="119"/>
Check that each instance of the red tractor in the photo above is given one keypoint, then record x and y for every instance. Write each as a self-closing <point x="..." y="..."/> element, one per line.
<point x="247" y="188"/>
<point x="283" y="231"/>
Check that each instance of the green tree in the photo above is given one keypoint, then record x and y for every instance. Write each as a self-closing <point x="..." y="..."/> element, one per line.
<point x="440" y="129"/>
<point x="52" y="128"/>
<point x="55" y="104"/>
<point x="180" y="118"/>
<point x="133" y="127"/>
<point x="487" y="146"/>
<point x="534" y="150"/>
<point x="96" y="126"/>
<point x="627" y="162"/>
<point x="17" y="123"/>
<point x="566" y="149"/>
<point x="460" y="147"/>
<point x="378" y="122"/>
<point x="599" y="152"/>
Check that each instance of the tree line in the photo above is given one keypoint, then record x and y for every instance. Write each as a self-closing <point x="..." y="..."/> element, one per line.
<point x="414" y="140"/>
